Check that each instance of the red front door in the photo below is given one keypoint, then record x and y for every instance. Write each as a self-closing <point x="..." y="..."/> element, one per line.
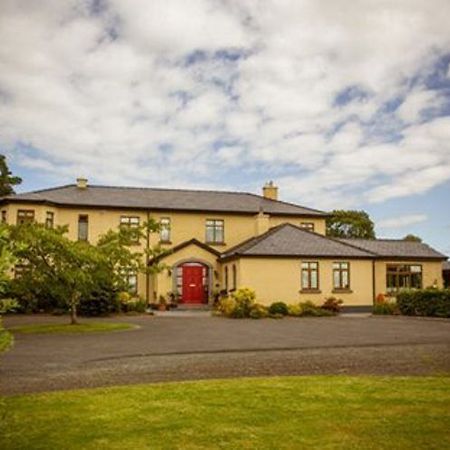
<point x="193" y="288"/>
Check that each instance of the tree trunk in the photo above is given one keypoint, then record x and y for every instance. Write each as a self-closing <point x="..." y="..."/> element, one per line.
<point x="73" y="310"/>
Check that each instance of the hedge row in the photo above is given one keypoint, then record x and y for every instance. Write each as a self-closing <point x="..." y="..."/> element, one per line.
<point x="428" y="302"/>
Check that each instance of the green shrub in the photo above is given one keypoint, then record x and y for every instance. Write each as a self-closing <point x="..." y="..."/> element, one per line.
<point x="258" y="311"/>
<point x="295" y="310"/>
<point x="239" y="305"/>
<point x="100" y="302"/>
<point x="278" y="308"/>
<point x="427" y="302"/>
<point x="276" y="316"/>
<point x="332" y="304"/>
<point x="309" y="309"/>
<point x="385" y="308"/>
<point x="226" y="306"/>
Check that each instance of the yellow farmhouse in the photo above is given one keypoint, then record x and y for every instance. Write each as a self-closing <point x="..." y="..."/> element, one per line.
<point x="221" y="241"/>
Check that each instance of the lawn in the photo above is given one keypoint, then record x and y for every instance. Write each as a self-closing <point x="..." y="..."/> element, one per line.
<point x="89" y="327"/>
<point x="6" y="339"/>
<point x="324" y="412"/>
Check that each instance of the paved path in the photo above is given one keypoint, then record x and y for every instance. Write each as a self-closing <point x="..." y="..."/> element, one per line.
<point x="181" y="348"/>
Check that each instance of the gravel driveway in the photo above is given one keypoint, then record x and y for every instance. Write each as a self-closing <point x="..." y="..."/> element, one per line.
<point x="182" y="348"/>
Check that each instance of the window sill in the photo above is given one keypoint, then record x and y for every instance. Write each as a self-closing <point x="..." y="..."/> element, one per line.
<point x="310" y="291"/>
<point x="215" y="243"/>
<point x="342" y="291"/>
<point x="165" y="242"/>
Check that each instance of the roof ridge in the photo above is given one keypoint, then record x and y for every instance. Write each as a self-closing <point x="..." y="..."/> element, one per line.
<point x="149" y="188"/>
<point x="37" y="191"/>
<point x="333" y="239"/>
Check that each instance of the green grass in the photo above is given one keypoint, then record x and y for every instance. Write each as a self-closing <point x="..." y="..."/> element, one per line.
<point x="89" y="327"/>
<point x="6" y="339"/>
<point x="326" y="412"/>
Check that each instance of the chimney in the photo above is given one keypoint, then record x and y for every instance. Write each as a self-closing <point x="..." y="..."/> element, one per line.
<point x="270" y="191"/>
<point x="82" y="183"/>
<point x="262" y="223"/>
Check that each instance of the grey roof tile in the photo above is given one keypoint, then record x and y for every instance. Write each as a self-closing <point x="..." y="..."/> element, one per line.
<point x="395" y="248"/>
<point x="163" y="199"/>
<point x="290" y="240"/>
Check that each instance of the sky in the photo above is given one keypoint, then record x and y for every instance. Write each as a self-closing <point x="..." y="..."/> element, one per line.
<point x="344" y="105"/>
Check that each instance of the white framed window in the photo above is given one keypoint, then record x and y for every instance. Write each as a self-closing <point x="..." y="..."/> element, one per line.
<point x="214" y="231"/>
<point x="341" y="275"/>
<point x="131" y="223"/>
<point x="165" y="228"/>
<point x="310" y="275"/>
<point x="83" y="227"/>
<point x="308" y="226"/>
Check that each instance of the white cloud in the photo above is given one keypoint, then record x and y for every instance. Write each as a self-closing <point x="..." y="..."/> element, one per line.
<point x="416" y="102"/>
<point x="402" y="221"/>
<point x="180" y="93"/>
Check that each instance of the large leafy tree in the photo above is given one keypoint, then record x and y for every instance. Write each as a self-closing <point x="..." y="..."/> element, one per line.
<point x="7" y="179"/>
<point x="350" y="224"/>
<point x="52" y="263"/>
<point x="69" y="270"/>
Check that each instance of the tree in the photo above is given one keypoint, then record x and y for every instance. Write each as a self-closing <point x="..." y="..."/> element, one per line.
<point x="7" y="180"/>
<point x="350" y="224"/>
<point x="412" y="238"/>
<point x="66" y="269"/>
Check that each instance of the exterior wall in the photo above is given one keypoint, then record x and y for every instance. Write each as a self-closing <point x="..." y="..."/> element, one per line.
<point x="184" y="226"/>
<point x="163" y="282"/>
<point x="431" y="273"/>
<point x="279" y="279"/>
<point x="319" y="224"/>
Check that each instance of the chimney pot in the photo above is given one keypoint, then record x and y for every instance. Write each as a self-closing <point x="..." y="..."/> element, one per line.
<point x="82" y="183"/>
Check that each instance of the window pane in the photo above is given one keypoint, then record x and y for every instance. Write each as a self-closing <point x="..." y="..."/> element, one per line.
<point x="305" y="279"/>
<point x="336" y="279"/>
<point x="314" y="281"/>
<point x="83" y="228"/>
<point x="344" y="278"/>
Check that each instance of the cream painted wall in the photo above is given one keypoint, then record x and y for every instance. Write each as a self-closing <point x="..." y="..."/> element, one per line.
<point x="431" y="273"/>
<point x="319" y="224"/>
<point x="184" y="226"/>
<point x="278" y="279"/>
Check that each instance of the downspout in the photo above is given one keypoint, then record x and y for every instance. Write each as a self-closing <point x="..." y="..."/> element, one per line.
<point x="373" y="283"/>
<point x="147" y="273"/>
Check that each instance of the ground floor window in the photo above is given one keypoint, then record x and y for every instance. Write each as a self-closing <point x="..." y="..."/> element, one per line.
<point x="341" y="275"/>
<point x="399" y="276"/>
<point x="310" y="278"/>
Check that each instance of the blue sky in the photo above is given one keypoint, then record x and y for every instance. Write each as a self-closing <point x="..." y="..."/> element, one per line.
<point x="341" y="107"/>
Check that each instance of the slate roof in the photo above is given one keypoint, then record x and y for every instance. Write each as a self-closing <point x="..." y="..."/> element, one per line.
<point x="290" y="240"/>
<point x="392" y="248"/>
<point x="162" y="199"/>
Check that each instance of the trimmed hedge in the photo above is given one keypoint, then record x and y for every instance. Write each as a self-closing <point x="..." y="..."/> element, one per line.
<point x="427" y="302"/>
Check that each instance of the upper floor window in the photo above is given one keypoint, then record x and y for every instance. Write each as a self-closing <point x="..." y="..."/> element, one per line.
<point x="164" y="231"/>
<point x="214" y="231"/>
<point x="310" y="275"/>
<point x="131" y="223"/>
<point x="4" y="216"/>
<point x="308" y="226"/>
<point x="49" y="219"/>
<point x="400" y="276"/>
<point x="83" y="227"/>
<point x="25" y="216"/>
<point x="341" y="275"/>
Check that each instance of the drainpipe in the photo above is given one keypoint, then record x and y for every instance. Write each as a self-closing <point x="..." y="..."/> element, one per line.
<point x="373" y="282"/>
<point x="147" y="274"/>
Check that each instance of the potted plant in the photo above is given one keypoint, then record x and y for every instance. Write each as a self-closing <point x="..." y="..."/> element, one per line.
<point x="173" y="299"/>
<point x="162" y="305"/>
